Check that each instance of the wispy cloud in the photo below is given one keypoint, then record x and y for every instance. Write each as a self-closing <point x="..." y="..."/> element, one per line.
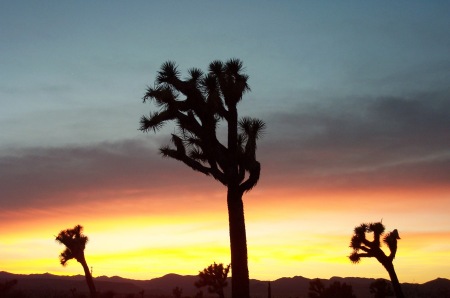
<point x="373" y="141"/>
<point x="376" y="142"/>
<point x="69" y="175"/>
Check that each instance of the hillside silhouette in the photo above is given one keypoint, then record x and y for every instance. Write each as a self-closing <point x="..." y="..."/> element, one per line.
<point x="285" y="287"/>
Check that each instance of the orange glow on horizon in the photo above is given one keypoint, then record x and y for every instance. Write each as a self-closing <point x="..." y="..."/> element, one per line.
<point x="303" y="234"/>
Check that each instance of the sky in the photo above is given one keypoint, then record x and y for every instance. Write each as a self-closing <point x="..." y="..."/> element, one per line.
<point x="355" y="96"/>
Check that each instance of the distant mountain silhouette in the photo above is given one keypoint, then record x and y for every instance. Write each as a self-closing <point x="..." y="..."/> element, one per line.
<point x="296" y="286"/>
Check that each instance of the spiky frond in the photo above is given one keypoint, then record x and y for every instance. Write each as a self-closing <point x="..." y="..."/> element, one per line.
<point x="234" y="70"/>
<point x="155" y="121"/>
<point x="148" y="94"/>
<point x="161" y="95"/>
<point x="166" y="151"/>
<point x="75" y="243"/>
<point x="168" y="71"/>
<point x="216" y="67"/>
<point x="210" y="85"/>
<point x="252" y="127"/>
<point x="65" y="256"/>
<point x="245" y="126"/>
<point x="356" y="242"/>
<point x="211" y="89"/>
<point x="354" y="258"/>
<point x="234" y="66"/>
<point x="195" y="74"/>
<point x="391" y="236"/>
<point x="377" y="228"/>
<point x="391" y="241"/>
<point x="70" y="236"/>
<point x="361" y="230"/>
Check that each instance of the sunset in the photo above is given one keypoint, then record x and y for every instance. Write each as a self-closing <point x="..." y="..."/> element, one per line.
<point x="355" y="98"/>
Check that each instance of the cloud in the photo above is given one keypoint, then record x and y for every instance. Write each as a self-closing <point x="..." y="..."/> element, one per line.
<point x="386" y="142"/>
<point x="369" y="141"/>
<point x="59" y="176"/>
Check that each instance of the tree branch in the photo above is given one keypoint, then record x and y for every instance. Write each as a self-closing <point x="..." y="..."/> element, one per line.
<point x="254" y="173"/>
<point x="193" y="164"/>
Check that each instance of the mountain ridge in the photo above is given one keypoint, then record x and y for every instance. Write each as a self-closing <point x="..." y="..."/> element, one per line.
<point x="296" y="286"/>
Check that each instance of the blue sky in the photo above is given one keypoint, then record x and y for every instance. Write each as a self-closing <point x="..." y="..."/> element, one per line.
<point x="355" y="95"/>
<point x="70" y="61"/>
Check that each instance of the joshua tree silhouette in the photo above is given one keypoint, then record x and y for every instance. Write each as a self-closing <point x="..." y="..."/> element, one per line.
<point x="373" y="249"/>
<point x="214" y="277"/>
<point x="208" y="99"/>
<point x="316" y="288"/>
<point x="75" y="243"/>
<point x="335" y="290"/>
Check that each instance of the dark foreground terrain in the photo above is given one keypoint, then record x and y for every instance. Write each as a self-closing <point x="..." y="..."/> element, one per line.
<point x="53" y="286"/>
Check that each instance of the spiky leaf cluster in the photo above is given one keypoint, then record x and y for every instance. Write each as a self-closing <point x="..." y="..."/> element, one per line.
<point x="372" y="248"/>
<point x="75" y="243"/>
<point x="196" y="105"/>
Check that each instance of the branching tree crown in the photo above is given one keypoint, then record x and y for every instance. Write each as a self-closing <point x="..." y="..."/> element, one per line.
<point x="364" y="248"/>
<point x="197" y="105"/>
<point x="75" y="243"/>
<point x="359" y="242"/>
<point x="214" y="277"/>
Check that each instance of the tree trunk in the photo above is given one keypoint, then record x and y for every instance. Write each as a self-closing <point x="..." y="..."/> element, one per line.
<point x="395" y="283"/>
<point x="238" y="243"/>
<point x="89" y="280"/>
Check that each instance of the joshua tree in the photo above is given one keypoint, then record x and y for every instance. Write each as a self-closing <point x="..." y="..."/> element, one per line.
<point x="381" y="288"/>
<point x="214" y="277"/>
<point x="75" y="243"/>
<point x="316" y="288"/>
<point x="373" y="249"/>
<point x="335" y="290"/>
<point x="208" y="99"/>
